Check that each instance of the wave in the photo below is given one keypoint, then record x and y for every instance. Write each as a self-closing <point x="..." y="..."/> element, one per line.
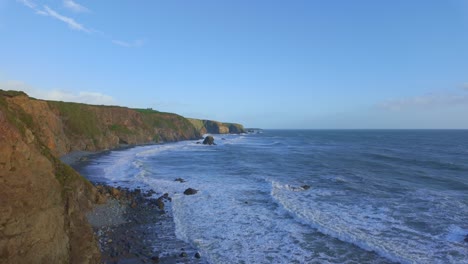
<point x="366" y="226"/>
<point x="434" y="164"/>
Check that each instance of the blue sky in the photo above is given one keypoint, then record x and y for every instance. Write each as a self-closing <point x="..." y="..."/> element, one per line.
<point x="269" y="64"/>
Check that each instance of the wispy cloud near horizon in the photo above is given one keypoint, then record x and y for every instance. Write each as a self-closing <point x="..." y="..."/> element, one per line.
<point x="428" y="101"/>
<point x="75" y="7"/>
<point x="86" y="97"/>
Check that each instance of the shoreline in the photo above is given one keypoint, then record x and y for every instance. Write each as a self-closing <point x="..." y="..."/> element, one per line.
<point x="133" y="225"/>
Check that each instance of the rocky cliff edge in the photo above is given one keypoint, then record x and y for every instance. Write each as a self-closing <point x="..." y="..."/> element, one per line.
<point x="43" y="201"/>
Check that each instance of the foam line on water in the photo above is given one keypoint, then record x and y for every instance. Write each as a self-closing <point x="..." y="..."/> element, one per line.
<point x="366" y="226"/>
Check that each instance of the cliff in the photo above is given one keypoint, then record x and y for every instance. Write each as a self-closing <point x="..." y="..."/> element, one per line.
<point x="43" y="201"/>
<point x="65" y="127"/>
<point x="215" y="127"/>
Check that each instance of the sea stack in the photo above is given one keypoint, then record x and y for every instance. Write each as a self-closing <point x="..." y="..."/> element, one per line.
<point x="209" y="140"/>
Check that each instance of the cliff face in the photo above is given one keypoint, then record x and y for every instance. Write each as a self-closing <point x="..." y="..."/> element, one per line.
<point x="215" y="127"/>
<point x="42" y="200"/>
<point x="65" y="127"/>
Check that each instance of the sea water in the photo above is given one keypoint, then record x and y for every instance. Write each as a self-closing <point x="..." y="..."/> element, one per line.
<point x="375" y="196"/>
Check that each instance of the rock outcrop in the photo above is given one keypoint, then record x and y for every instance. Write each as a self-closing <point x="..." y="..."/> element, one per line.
<point x="209" y="140"/>
<point x="190" y="191"/>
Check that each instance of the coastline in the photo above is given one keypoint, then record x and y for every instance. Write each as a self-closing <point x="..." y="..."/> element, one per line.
<point x="132" y="226"/>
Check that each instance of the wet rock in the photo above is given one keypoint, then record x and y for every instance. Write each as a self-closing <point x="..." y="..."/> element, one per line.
<point x="180" y="180"/>
<point x="149" y="193"/>
<point x="155" y="259"/>
<point x="115" y="192"/>
<point x="209" y="140"/>
<point x="183" y="255"/>
<point x="305" y="187"/>
<point x="197" y="255"/>
<point x="133" y="205"/>
<point x="160" y="203"/>
<point x="190" y="191"/>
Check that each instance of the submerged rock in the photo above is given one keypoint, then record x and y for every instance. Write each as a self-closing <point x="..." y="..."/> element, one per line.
<point x="180" y="180"/>
<point x="209" y="140"/>
<point x="190" y="191"/>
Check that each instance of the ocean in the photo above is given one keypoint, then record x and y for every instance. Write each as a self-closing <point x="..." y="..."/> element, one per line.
<point x="310" y="196"/>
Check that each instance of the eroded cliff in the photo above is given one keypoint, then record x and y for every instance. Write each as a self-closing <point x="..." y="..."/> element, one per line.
<point x="215" y="127"/>
<point x="65" y="127"/>
<point x="43" y="201"/>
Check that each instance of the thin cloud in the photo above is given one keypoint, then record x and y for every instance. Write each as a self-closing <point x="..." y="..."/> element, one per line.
<point x="59" y="95"/>
<point x="135" y="44"/>
<point x="73" y="24"/>
<point x="428" y="101"/>
<point x="75" y="7"/>
<point x="67" y="20"/>
<point x="27" y="3"/>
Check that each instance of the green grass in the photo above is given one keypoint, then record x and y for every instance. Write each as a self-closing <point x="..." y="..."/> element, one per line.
<point x="11" y="93"/>
<point x="78" y="118"/>
<point x="15" y="115"/>
<point x="120" y="129"/>
<point x="145" y="111"/>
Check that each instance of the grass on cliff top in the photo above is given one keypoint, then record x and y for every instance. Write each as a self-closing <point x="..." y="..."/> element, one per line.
<point x="12" y="93"/>
<point x="78" y="119"/>
<point x="146" y="111"/>
<point x="16" y="115"/>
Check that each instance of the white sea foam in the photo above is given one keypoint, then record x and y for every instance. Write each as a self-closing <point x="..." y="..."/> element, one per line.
<point x="250" y="207"/>
<point x="367" y="226"/>
<point x="456" y="234"/>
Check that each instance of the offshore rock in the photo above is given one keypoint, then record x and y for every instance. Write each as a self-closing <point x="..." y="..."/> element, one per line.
<point x="209" y="140"/>
<point x="190" y="191"/>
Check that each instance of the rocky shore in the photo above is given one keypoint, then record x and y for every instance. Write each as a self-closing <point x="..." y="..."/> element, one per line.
<point x="136" y="226"/>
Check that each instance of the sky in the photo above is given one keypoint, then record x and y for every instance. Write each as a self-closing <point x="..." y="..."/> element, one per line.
<point x="308" y="64"/>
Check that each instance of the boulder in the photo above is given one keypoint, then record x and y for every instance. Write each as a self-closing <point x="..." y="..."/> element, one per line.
<point x="209" y="140"/>
<point x="190" y="191"/>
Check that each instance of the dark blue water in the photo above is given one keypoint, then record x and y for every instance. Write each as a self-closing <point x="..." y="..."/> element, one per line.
<point x="376" y="196"/>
